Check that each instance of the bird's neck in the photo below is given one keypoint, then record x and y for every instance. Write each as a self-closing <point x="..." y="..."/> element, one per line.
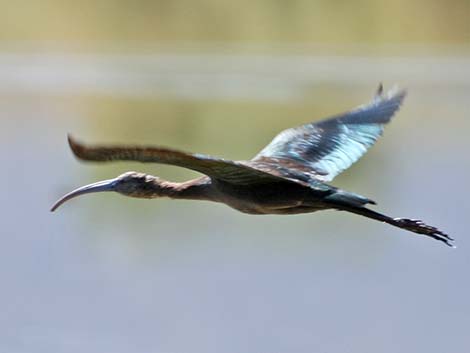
<point x="197" y="189"/>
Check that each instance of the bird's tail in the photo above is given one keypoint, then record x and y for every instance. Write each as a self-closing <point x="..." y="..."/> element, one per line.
<point x="412" y="225"/>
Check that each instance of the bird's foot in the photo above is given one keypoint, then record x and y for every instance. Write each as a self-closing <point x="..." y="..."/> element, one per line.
<point x="418" y="226"/>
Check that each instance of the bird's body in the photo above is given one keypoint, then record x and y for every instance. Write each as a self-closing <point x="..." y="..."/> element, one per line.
<point x="264" y="198"/>
<point x="289" y="176"/>
<point x="250" y="199"/>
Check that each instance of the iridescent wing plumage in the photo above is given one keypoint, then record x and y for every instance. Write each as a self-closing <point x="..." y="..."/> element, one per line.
<point x="320" y="151"/>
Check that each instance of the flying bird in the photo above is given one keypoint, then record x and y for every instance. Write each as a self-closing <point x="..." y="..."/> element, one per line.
<point x="289" y="176"/>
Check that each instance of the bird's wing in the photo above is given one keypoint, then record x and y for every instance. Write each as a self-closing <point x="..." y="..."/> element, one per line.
<point x="324" y="149"/>
<point x="241" y="173"/>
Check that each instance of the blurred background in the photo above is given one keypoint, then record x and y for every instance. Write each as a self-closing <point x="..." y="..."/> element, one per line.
<point x="112" y="274"/>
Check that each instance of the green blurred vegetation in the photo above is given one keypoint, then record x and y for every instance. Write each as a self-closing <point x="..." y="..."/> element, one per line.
<point x="235" y="129"/>
<point x="277" y="21"/>
<point x="202" y="124"/>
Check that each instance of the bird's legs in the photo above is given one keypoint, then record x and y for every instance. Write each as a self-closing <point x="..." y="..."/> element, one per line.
<point x="418" y="226"/>
<point x="412" y="225"/>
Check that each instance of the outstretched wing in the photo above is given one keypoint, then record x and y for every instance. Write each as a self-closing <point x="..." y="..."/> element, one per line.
<point x="324" y="149"/>
<point x="229" y="171"/>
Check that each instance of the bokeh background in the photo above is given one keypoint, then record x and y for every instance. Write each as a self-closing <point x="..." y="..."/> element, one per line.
<point x="112" y="274"/>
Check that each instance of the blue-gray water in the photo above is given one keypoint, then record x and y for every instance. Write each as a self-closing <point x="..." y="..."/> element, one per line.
<point x="111" y="274"/>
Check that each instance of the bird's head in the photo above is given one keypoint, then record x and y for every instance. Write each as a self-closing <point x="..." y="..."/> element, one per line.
<point x="131" y="184"/>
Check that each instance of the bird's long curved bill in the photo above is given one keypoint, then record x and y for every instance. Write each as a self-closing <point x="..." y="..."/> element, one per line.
<point x="105" y="185"/>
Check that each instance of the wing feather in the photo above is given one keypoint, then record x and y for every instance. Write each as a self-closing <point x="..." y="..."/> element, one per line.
<point x="324" y="149"/>
<point x="230" y="171"/>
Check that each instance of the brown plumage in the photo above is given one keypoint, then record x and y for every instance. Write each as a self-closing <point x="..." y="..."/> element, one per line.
<point x="287" y="177"/>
